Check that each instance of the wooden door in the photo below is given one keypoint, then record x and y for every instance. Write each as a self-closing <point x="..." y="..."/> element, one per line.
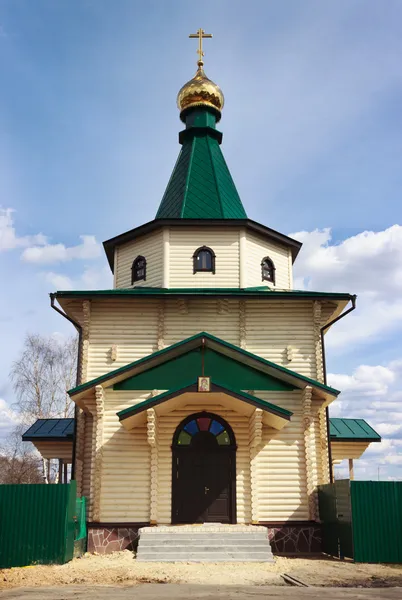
<point x="203" y="485"/>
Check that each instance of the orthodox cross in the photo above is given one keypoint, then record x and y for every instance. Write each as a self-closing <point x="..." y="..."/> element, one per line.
<point x="200" y="34"/>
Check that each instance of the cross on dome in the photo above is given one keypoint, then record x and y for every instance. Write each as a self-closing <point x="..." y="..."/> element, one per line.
<point x="200" y="35"/>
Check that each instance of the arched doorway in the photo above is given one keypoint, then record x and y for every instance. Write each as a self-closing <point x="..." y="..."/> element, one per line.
<point x="204" y="471"/>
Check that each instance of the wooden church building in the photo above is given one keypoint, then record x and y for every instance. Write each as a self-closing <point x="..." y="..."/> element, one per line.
<point x="202" y="392"/>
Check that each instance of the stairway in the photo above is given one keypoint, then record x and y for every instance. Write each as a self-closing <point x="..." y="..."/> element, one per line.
<point x="204" y="543"/>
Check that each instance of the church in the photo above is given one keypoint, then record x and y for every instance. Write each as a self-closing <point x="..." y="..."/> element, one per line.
<point x="201" y="394"/>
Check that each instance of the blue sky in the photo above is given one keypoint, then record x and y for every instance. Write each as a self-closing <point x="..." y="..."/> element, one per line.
<point x="312" y="122"/>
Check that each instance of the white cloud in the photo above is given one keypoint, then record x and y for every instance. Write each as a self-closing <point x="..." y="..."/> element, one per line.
<point x="9" y="239"/>
<point x="56" y="253"/>
<point x="373" y="393"/>
<point x="8" y="418"/>
<point x="59" y="282"/>
<point x="90" y="279"/>
<point x="368" y="264"/>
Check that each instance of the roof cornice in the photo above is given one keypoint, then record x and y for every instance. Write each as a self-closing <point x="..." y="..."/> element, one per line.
<point x="128" y="236"/>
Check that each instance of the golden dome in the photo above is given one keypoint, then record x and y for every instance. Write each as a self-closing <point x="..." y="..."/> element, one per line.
<point x="200" y="91"/>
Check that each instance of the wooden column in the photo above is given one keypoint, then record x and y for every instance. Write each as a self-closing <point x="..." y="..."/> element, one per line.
<point x="309" y="451"/>
<point x="351" y="469"/>
<point x="97" y="449"/>
<point x="152" y="438"/>
<point x="60" y="470"/>
<point x="255" y="440"/>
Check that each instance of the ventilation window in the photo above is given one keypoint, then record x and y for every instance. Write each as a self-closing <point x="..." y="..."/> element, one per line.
<point x="139" y="269"/>
<point x="204" y="260"/>
<point x="268" y="270"/>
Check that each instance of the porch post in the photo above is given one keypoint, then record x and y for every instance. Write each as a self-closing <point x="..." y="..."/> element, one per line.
<point x="60" y="470"/>
<point x="97" y="449"/>
<point x="152" y="438"/>
<point x="255" y="439"/>
<point x="309" y="451"/>
<point x="351" y="469"/>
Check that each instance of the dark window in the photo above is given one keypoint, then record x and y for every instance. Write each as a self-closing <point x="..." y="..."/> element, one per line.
<point x="204" y="260"/>
<point x="268" y="270"/>
<point x="139" y="269"/>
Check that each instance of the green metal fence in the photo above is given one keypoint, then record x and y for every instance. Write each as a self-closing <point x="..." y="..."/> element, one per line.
<point x="80" y="538"/>
<point x="377" y="521"/>
<point x="36" y="524"/>
<point x="362" y="520"/>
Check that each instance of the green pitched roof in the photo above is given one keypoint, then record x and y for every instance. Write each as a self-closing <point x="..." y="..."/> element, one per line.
<point x="356" y="430"/>
<point x="207" y="340"/>
<point x="201" y="186"/>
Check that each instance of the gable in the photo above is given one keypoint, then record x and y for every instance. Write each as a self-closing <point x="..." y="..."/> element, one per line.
<point x="219" y="367"/>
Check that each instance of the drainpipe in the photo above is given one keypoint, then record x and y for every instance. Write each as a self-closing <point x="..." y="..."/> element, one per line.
<point x="77" y="380"/>
<point x="324" y="368"/>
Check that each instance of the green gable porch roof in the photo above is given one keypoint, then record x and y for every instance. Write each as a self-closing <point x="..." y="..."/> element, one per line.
<point x="280" y="415"/>
<point x="352" y="430"/>
<point x="215" y="344"/>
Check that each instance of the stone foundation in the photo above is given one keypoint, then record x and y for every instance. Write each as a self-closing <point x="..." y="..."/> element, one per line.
<point x="110" y="538"/>
<point x="295" y="539"/>
<point x="300" y="538"/>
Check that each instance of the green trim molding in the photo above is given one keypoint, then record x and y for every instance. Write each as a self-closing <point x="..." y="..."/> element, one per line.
<point x="252" y="292"/>
<point x="205" y="340"/>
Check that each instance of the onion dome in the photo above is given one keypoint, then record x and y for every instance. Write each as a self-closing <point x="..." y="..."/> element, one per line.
<point x="200" y="91"/>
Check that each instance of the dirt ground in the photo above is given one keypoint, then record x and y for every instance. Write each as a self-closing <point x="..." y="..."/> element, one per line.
<point x="182" y="591"/>
<point x="121" y="568"/>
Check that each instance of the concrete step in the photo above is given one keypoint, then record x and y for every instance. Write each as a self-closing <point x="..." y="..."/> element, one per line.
<point x="208" y="543"/>
<point x="202" y="539"/>
<point x="205" y="547"/>
<point x="207" y="557"/>
<point x="195" y="541"/>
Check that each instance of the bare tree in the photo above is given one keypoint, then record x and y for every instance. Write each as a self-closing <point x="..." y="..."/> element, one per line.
<point x="42" y="375"/>
<point x="18" y="464"/>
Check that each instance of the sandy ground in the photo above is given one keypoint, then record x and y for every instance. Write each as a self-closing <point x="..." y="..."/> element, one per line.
<point x="121" y="568"/>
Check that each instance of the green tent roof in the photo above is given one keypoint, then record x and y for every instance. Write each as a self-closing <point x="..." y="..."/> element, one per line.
<point x="201" y="186"/>
<point x="355" y="430"/>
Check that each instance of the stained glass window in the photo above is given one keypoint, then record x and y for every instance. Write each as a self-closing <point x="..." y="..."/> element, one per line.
<point x="202" y="425"/>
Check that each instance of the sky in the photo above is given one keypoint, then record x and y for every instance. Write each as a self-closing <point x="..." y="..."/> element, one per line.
<point x="312" y="135"/>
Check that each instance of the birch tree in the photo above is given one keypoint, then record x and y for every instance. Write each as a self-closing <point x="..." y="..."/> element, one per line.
<point x="41" y="376"/>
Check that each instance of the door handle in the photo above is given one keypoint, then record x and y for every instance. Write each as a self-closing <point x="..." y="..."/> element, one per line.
<point x="206" y="490"/>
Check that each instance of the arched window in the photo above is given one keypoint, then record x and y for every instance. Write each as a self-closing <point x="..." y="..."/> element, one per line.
<point x="204" y="260"/>
<point x="268" y="270"/>
<point x="204" y="429"/>
<point x="139" y="269"/>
